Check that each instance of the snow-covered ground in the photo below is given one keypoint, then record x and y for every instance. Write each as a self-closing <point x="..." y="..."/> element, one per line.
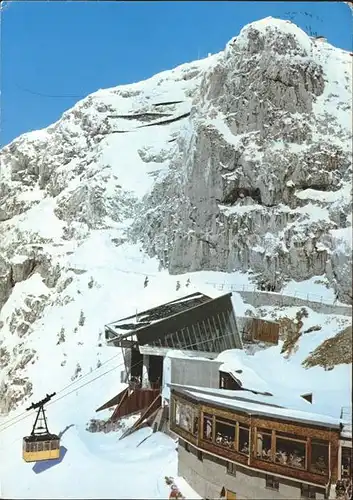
<point x="95" y="465"/>
<point x="53" y="331"/>
<point x="105" y="466"/>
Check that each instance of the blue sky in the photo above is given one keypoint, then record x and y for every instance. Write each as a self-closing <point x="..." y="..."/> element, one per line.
<point x="71" y="49"/>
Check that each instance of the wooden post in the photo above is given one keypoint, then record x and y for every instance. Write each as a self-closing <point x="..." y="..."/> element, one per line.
<point x="213" y="429"/>
<point x="308" y="454"/>
<point x="273" y="446"/>
<point x="200" y="436"/>
<point x="251" y="441"/>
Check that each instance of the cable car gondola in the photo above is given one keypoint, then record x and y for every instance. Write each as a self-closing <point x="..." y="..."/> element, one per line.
<point x="41" y="444"/>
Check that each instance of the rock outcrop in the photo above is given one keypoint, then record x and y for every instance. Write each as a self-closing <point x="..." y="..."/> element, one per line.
<point x="240" y="161"/>
<point x="262" y="178"/>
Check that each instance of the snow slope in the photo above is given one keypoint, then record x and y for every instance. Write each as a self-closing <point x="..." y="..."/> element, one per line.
<point x="72" y="258"/>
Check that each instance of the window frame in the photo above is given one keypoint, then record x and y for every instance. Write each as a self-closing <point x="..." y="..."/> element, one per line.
<point x="282" y="435"/>
<point x="322" y="442"/>
<point x="241" y="427"/>
<point x="210" y="417"/>
<point x="229" y="423"/>
<point x="194" y="415"/>
<point x="266" y="432"/>
<point x="346" y="452"/>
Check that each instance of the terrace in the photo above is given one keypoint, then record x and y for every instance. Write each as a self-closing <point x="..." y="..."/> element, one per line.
<point x="288" y="443"/>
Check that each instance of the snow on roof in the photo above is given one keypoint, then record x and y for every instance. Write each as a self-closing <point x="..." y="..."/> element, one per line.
<point x="347" y="430"/>
<point x="287" y="379"/>
<point x="259" y="408"/>
<point x="273" y="396"/>
<point x="189" y="354"/>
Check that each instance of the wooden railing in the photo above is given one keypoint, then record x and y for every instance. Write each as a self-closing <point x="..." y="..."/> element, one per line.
<point x="231" y="455"/>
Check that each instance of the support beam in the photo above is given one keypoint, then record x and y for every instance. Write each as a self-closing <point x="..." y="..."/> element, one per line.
<point x="145" y="372"/>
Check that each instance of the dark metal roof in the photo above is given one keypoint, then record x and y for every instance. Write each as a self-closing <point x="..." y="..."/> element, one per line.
<point x="194" y="322"/>
<point x="129" y="325"/>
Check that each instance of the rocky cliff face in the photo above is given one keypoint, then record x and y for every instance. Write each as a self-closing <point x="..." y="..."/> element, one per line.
<point x="241" y="161"/>
<point x="261" y="178"/>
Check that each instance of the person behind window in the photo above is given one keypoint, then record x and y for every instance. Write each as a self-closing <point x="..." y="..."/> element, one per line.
<point x="245" y="448"/>
<point x="320" y="464"/>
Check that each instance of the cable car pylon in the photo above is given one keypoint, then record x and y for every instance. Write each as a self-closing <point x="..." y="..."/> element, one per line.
<point x="40" y="418"/>
<point x="41" y="444"/>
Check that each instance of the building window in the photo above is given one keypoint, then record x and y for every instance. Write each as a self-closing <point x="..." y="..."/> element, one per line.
<point x="243" y="446"/>
<point x="226" y="381"/>
<point x="185" y="416"/>
<point x="225" y="433"/>
<point x="55" y="445"/>
<point x="272" y="482"/>
<point x="207" y="427"/>
<point x="290" y="452"/>
<point x="263" y="445"/>
<point x="346" y="465"/>
<point x="200" y="455"/>
<point x="231" y="469"/>
<point x="195" y="426"/>
<point x="307" y="491"/>
<point x="319" y="457"/>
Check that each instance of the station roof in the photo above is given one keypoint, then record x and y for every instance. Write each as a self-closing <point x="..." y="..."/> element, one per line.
<point x="240" y="401"/>
<point x="125" y="327"/>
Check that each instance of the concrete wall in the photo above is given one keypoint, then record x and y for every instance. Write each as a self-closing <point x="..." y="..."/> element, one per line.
<point x="209" y="475"/>
<point x="259" y="299"/>
<point x="199" y="372"/>
<point x="189" y="371"/>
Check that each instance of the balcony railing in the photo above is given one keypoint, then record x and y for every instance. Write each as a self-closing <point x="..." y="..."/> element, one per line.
<point x="232" y="455"/>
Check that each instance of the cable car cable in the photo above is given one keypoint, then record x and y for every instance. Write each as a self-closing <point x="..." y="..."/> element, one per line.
<point x="65" y="388"/>
<point x="102" y="374"/>
<point x="82" y="376"/>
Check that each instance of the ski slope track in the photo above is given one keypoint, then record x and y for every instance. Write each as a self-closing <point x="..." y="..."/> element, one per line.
<point x="232" y="169"/>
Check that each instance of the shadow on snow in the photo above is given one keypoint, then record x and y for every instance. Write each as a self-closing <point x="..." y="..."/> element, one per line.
<point x="44" y="465"/>
<point x="48" y="464"/>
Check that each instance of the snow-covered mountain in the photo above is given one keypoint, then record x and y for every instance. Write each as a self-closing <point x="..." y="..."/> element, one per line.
<point x="240" y="162"/>
<point x="261" y="174"/>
